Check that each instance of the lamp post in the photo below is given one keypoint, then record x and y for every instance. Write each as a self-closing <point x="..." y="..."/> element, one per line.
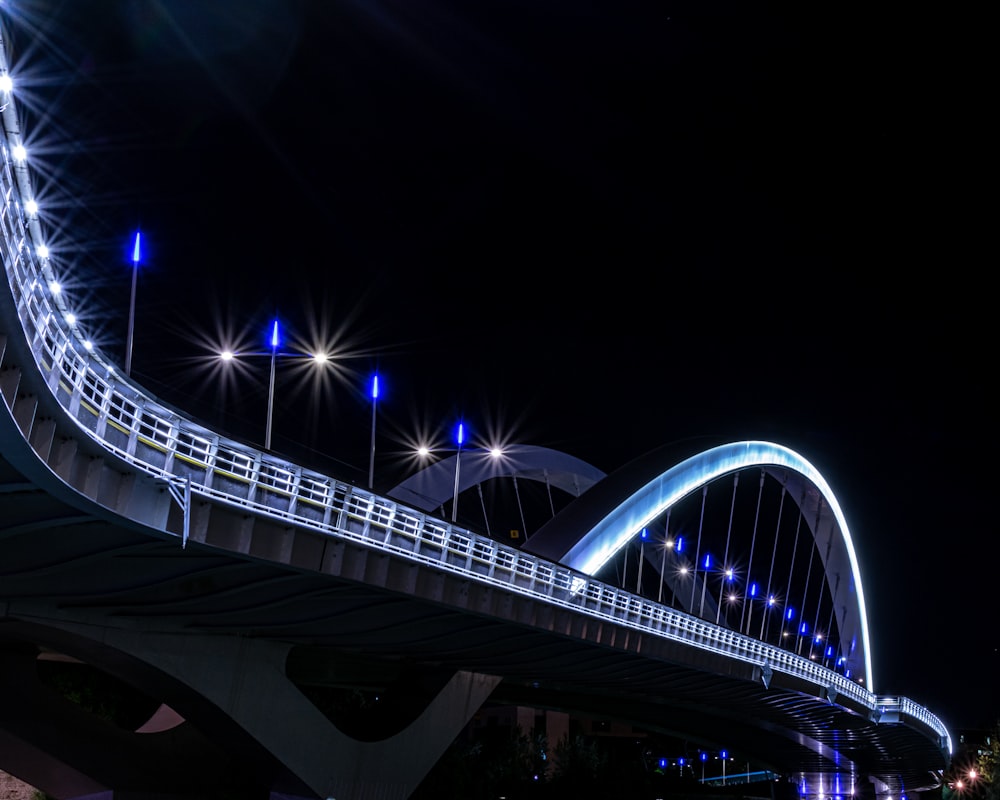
<point x="459" y="438"/>
<point x="371" y="460"/>
<point x="704" y="583"/>
<point x="748" y="604"/>
<point x="642" y="560"/>
<point x="270" y="390"/>
<point x="136" y="253"/>
<point x="273" y="353"/>
<point x="429" y="457"/>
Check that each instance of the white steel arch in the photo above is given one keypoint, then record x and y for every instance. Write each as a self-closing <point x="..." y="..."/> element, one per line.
<point x="601" y="542"/>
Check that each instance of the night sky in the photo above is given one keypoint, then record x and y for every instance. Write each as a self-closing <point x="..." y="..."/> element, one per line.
<point x="592" y="226"/>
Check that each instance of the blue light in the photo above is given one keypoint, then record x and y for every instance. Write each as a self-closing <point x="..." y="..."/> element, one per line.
<point x="829" y="651"/>
<point x="274" y="336"/>
<point x="375" y="387"/>
<point x="680" y="761"/>
<point x="704" y="756"/>
<point x="790" y="613"/>
<point x="644" y="535"/>
<point x="804" y="628"/>
<point x="680" y="543"/>
<point x="753" y="589"/>
<point x="136" y="250"/>
<point x="460" y="434"/>
<point x="708" y="561"/>
<point x="663" y="763"/>
<point x="723" y="754"/>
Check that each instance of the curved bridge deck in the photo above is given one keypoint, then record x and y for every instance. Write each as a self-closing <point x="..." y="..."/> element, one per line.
<point x="221" y="580"/>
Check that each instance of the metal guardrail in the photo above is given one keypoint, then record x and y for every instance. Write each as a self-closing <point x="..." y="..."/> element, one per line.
<point x="153" y="439"/>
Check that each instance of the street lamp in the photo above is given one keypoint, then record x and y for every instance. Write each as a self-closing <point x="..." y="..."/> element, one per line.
<point x="667" y="545"/>
<point x="642" y="560"/>
<point x="704" y="583"/>
<point x="270" y="390"/>
<point x="136" y="254"/>
<point x="371" y="460"/>
<point x="435" y="462"/>
<point x="273" y="353"/>
<point x="459" y="439"/>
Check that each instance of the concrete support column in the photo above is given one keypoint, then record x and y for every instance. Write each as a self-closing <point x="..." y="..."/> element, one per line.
<point x="246" y="679"/>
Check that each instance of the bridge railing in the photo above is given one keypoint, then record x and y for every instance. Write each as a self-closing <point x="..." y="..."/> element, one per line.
<point x="156" y="440"/>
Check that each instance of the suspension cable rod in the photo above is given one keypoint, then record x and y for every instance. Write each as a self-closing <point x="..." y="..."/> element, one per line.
<point x="697" y="550"/>
<point x="753" y="543"/>
<point x="766" y="618"/>
<point x="725" y="557"/>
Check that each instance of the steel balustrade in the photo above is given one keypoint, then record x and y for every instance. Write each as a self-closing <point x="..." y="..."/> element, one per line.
<point x="133" y="425"/>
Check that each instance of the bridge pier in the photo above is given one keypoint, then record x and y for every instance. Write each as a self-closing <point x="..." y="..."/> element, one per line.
<point x="246" y="679"/>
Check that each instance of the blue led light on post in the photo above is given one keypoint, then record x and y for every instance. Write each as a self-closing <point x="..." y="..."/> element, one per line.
<point x="459" y="439"/>
<point x="704" y="582"/>
<point x="371" y="460"/>
<point x="136" y="257"/>
<point x="275" y="341"/>
<point x="643" y="536"/>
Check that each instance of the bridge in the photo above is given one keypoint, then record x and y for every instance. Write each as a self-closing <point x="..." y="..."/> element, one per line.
<point x="232" y="591"/>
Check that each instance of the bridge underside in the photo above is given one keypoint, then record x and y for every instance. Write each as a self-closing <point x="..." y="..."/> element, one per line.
<point x="88" y="588"/>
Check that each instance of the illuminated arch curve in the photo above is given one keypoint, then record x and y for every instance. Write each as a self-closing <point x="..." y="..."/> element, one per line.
<point x="613" y="512"/>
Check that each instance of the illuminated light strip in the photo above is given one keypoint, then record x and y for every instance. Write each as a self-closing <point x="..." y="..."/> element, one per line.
<point x="605" y="539"/>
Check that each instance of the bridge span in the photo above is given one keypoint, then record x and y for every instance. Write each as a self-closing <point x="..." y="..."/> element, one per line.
<point x="233" y="590"/>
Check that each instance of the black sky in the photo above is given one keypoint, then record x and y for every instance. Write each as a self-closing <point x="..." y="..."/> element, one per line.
<point x="597" y="227"/>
